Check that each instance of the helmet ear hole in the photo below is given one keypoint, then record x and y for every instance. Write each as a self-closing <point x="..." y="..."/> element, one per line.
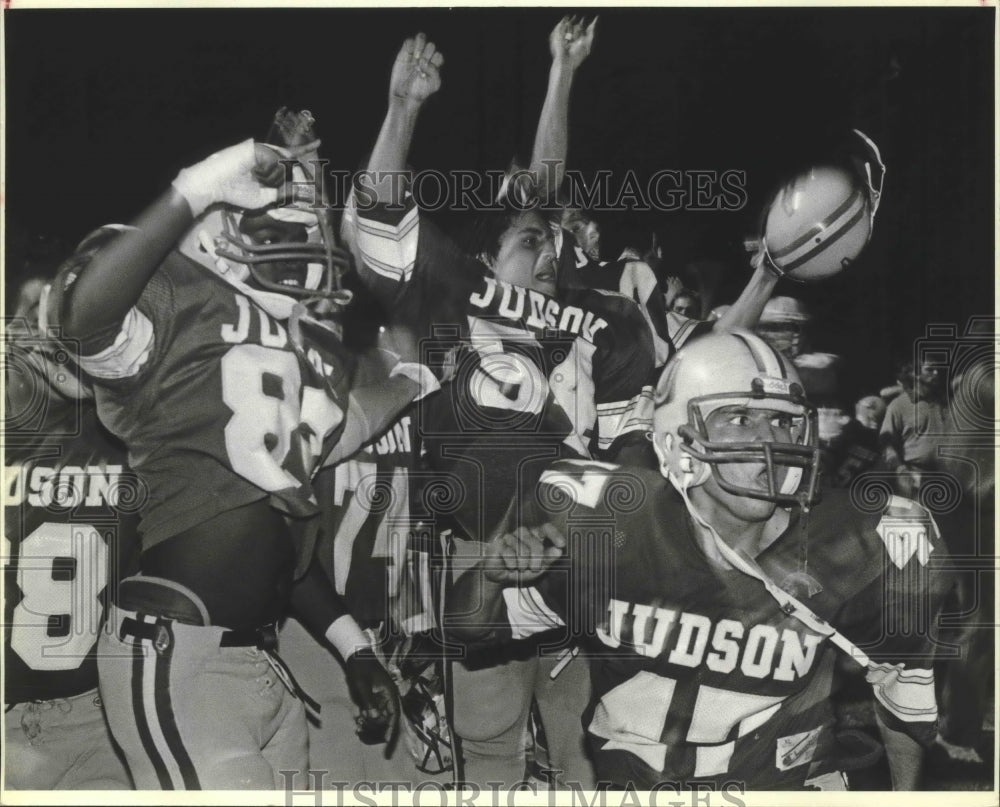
<point x="688" y="472"/>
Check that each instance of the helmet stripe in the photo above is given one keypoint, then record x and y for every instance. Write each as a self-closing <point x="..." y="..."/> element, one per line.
<point x="842" y="231"/>
<point x="765" y="357"/>
<point x="820" y="228"/>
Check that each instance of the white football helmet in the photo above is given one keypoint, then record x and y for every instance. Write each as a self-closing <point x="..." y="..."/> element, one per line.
<point x="738" y="372"/>
<point x="819" y="222"/>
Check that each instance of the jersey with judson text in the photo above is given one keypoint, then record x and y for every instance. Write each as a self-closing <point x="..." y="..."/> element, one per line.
<point x="531" y="378"/>
<point x="365" y="544"/>
<point x="219" y="400"/>
<point x="70" y="530"/>
<point x="701" y="672"/>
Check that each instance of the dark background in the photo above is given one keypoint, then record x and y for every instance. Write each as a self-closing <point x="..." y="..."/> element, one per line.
<point x="104" y="107"/>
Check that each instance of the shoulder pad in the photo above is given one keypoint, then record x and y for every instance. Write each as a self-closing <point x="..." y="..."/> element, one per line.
<point x="907" y="529"/>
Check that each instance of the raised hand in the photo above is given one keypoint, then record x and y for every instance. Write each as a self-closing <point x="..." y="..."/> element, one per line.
<point x="674" y="287"/>
<point x="522" y="555"/>
<point x="570" y="41"/>
<point x="246" y="175"/>
<point x="269" y="161"/>
<point x="416" y="72"/>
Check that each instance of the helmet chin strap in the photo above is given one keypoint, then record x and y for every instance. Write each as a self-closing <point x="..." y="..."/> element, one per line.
<point x="720" y="552"/>
<point x="712" y="549"/>
<point x="685" y="480"/>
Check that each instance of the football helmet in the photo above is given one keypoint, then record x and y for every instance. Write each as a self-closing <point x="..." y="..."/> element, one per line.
<point x="783" y="324"/>
<point x="425" y="725"/>
<point x="414" y="662"/>
<point x="784" y="309"/>
<point x="291" y="248"/>
<point x="70" y="269"/>
<point x="722" y="378"/>
<point x="819" y="222"/>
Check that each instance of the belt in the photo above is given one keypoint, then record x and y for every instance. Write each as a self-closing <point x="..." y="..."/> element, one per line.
<point x="265" y="637"/>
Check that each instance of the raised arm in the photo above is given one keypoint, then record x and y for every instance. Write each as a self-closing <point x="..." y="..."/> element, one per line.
<point x="100" y="293"/>
<point x="415" y="78"/>
<point x="570" y="43"/>
<point x="746" y="311"/>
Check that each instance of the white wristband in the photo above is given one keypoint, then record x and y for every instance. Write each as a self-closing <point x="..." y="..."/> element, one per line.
<point x="346" y="635"/>
<point x="225" y="176"/>
<point x="196" y="190"/>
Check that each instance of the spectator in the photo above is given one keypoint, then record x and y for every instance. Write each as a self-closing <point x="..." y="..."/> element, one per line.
<point x="913" y="426"/>
<point x="687" y="304"/>
<point x="967" y="455"/>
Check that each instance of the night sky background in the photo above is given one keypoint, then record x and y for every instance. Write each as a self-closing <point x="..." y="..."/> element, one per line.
<point x="103" y="107"/>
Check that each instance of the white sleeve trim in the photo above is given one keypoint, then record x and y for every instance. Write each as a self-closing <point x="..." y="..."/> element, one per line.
<point x="130" y="351"/>
<point x="680" y="328"/>
<point x="621" y="417"/>
<point x="390" y="250"/>
<point x="908" y="693"/>
<point x="527" y="612"/>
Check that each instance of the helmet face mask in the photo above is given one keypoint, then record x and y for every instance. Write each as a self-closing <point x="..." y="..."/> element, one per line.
<point x="789" y="467"/>
<point x="309" y="266"/>
<point x="425" y="727"/>
<point x="291" y="248"/>
<point x="730" y="408"/>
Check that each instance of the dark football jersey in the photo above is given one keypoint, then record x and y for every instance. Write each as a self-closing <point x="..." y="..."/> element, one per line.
<point x="364" y="544"/>
<point x="217" y="400"/>
<point x="699" y="672"/>
<point x="70" y="521"/>
<point x="634" y="279"/>
<point x="531" y="377"/>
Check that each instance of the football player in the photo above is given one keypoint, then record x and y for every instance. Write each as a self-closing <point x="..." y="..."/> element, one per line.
<point x="533" y="376"/>
<point x="70" y="519"/>
<point x="715" y="592"/>
<point x="540" y="372"/>
<point x="205" y="327"/>
<point x="365" y="548"/>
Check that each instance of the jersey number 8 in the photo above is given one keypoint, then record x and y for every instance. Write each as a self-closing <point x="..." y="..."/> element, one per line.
<point x="62" y="570"/>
